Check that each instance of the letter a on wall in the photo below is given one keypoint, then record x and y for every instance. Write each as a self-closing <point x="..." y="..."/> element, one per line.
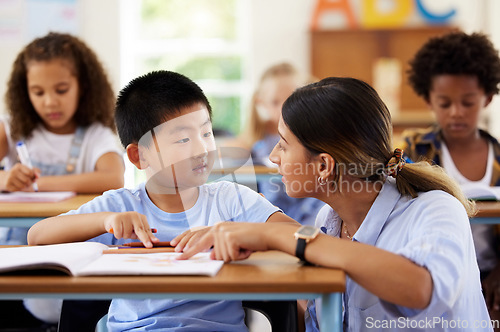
<point x="342" y="6"/>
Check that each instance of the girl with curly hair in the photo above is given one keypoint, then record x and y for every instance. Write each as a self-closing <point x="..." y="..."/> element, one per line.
<point x="457" y="74"/>
<point x="60" y="102"/>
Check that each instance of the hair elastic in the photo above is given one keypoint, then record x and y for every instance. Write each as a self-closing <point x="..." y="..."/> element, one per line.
<point x="395" y="163"/>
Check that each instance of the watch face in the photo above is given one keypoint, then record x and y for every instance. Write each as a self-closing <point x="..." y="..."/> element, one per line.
<point x="308" y="230"/>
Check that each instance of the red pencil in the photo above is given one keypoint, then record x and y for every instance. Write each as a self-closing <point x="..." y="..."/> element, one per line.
<point x="132" y="250"/>
<point x="153" y="230"/>
<point x="141" y="245"/>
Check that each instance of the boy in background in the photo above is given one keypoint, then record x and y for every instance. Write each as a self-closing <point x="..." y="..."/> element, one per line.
<point x="457" y="75"/>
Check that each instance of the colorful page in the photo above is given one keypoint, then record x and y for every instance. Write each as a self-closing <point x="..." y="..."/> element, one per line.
<point x="163" y="263"/>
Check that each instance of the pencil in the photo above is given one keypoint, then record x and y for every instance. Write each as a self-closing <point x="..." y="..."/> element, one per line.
<point x="131" y="250"/>
<point x="153" y="230"/>
<point x="141" y="245"/>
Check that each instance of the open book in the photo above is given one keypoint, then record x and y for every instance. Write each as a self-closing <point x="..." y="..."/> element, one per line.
<point x="40" y="196"/>
<point x="88" y="258"/>
<point x="481" y="192"/>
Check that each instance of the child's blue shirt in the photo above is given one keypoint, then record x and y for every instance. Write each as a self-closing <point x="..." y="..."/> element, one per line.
<point x="220" y="201"/>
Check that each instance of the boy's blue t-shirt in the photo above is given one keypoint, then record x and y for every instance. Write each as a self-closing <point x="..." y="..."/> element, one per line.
<point x="220" y="201"/>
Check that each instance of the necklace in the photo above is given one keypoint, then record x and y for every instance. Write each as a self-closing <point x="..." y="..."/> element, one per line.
<point x="346" y="232"/>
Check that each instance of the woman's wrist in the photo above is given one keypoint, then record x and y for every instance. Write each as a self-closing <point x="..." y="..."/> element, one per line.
<point x="280" y="237"/>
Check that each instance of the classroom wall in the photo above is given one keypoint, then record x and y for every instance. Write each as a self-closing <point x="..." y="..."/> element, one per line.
<point x="279" y="32"/>
<point x="98" y="25"/>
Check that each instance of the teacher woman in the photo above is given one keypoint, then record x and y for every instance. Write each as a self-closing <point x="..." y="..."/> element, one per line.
<point x="400" y="231"/>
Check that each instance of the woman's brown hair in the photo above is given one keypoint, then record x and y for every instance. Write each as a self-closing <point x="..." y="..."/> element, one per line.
<point x="346" y="118"/>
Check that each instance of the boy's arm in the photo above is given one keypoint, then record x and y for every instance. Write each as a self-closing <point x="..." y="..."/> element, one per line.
<point x="82" y="227"/>
<point x="108" y="174"/>
<point x="281" y="217"/>
<point x="67" y="228"/>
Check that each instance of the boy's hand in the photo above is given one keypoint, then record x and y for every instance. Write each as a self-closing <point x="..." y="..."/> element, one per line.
<point x="20" y="178"/>
<point x="231" y="241"/>
<point x="130" y="225"/>
<point x="188" y="238"/>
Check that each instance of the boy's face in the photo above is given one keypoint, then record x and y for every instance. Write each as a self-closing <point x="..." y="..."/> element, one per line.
<point x="457" y="101"/>
<point x="181" y="152"/>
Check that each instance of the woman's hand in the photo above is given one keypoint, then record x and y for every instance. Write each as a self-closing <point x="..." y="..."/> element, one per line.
<point x="188" y="238"/>
<point x="231" y="241"/>
<point x="130" y="225"/>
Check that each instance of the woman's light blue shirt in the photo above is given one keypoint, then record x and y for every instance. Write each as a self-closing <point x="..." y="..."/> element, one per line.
<point x="431" y="230"/>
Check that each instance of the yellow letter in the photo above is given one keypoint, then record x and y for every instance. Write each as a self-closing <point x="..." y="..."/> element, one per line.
<point x="373" y="17"/>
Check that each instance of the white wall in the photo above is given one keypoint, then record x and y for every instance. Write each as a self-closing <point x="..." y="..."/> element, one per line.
<point x="100" y="28"/>
<point x="280" y="32"/>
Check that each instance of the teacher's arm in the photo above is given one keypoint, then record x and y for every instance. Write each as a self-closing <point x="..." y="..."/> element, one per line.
<point x="389" y="276"/>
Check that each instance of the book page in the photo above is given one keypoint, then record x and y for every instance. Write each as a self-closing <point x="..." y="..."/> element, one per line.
<point x="39" y="196"/>
<point x="69" y="257"/>
<point x="152" y="264"/>
<point x="481" y="192"/>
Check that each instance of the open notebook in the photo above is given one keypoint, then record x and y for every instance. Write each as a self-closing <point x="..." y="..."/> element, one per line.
<point x="88" y="258"/>
<point x="41" y="196"/>
<point x="481" y="192"/>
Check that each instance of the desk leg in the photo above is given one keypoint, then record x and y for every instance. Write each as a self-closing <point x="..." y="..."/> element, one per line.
<point x="331" y="317"/>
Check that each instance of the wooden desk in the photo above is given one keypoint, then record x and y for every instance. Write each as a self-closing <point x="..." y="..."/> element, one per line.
<point x="488" y="213"/>
<point x="27" y="214"/>
<point x="264" y="276"/>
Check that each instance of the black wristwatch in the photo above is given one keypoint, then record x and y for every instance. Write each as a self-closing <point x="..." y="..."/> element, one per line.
<point x="304" y="235"/>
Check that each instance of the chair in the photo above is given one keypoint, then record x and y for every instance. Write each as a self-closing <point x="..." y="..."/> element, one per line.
<point x="83" y="315"/>
<point x="282" y="315"/>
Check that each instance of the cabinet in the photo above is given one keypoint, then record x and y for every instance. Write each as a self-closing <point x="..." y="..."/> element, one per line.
<point x="354" y="52"/>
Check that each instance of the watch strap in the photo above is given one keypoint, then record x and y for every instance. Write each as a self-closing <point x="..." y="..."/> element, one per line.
<point x="300" y="249"/>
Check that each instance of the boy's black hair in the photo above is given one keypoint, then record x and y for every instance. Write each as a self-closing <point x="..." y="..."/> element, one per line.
<point x="455" y="53"/>
<point x="151" y="99"/>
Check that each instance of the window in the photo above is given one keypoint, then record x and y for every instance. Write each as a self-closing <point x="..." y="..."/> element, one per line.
<point x="204" y="40"/>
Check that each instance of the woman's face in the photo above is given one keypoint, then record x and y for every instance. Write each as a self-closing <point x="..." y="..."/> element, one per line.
<point x="457" y="101"/>
<point x="295" y="164"/>
<point x="54" y="93"/>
